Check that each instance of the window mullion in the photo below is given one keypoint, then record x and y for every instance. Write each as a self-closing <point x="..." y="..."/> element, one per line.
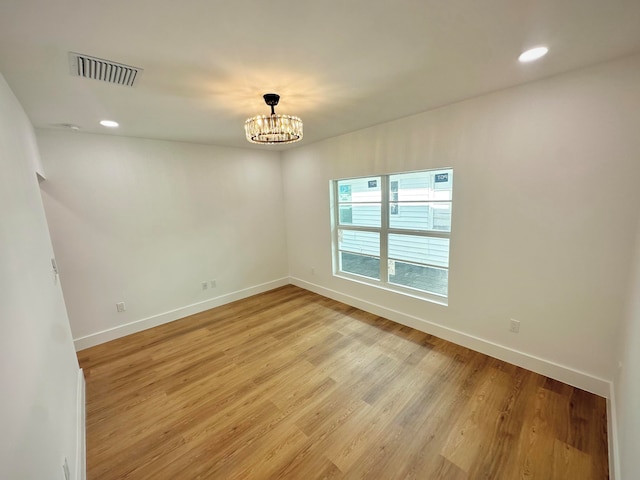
<point x="359" y="228"/>
<point x="336" y="227"/>
<point x="419" y="233"/>
<point x="384" y="228"/>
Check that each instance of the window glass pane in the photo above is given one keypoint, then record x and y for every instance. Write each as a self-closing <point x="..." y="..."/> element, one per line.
<point x="421" y="186"/>
<point x="421" y="216"/>
<point x="358" y="190"/>
<point x="360" y="265"/>
<point x="359" y="242"/>
<point x="430" y="250"/>
<point x="360" y="214"/>
<point x="427" y="279"/>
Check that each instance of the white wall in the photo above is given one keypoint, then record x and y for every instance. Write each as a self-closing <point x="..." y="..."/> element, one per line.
<point x="627" y="393"/>
<point x="145" y="222"/>
<point x="38" y="366"/>
<point x="545" y="182"/>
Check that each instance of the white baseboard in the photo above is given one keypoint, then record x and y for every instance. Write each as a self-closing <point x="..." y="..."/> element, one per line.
<point x="612" y="433"/>
<point x="81" y="438"/>
<point x="166" y="317"/>
<point x="565" y="374"/>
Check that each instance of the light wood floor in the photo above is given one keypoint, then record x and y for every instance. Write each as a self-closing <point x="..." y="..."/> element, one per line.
<point x="289" y="384"/>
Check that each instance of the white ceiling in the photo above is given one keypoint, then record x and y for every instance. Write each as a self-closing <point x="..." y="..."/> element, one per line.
<point x="340" y="65"/>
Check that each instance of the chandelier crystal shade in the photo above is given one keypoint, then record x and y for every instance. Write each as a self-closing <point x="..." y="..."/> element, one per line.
<point x="274" y="128"/>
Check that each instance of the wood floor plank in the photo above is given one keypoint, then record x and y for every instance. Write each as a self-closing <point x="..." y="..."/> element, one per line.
<point x="289" y="384"/>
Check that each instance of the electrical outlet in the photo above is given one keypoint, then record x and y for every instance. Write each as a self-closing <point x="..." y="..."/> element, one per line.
<point x="514" y="326"/>
<point x="121" y="307"/>
<point x="65" y="469"/>
<point x="313" y="270"/>
<point x="205" y="285"/>
<point x="213" y="283"/>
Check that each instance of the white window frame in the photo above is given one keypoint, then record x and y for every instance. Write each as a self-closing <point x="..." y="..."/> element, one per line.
<point x="384" y="231"/>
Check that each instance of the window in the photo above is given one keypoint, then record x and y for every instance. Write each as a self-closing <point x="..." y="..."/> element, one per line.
<point x="394" y="231"/>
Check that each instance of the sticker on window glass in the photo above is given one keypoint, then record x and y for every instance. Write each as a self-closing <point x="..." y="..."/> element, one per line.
<point x="442" y="177"/>
<point x="340" y="236"/>
<point x="391" y="266"/>
<point x="345" y="193"/>
<point x="373" y="183"/>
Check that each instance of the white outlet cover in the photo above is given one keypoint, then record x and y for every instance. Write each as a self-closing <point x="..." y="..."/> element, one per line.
<point x="515" y="326"/>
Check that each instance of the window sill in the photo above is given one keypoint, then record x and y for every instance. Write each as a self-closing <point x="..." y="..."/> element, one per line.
<point x="407" y="292"/>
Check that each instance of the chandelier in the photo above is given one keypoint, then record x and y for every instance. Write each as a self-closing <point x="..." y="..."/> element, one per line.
<point x="274" y="128"/>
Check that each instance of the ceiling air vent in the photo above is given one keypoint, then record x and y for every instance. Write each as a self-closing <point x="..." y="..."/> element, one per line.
<point x="105" y="70"/>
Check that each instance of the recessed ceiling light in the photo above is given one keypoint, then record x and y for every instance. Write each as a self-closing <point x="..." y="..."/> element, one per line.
<point x="533" y="54"/>
<point x="109" y="123"/>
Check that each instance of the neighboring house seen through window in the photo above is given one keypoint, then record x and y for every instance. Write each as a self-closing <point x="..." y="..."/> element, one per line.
<point x="394" y="231"/>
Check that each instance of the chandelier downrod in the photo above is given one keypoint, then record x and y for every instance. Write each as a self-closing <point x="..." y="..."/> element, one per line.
<point x="272" y="100"/>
